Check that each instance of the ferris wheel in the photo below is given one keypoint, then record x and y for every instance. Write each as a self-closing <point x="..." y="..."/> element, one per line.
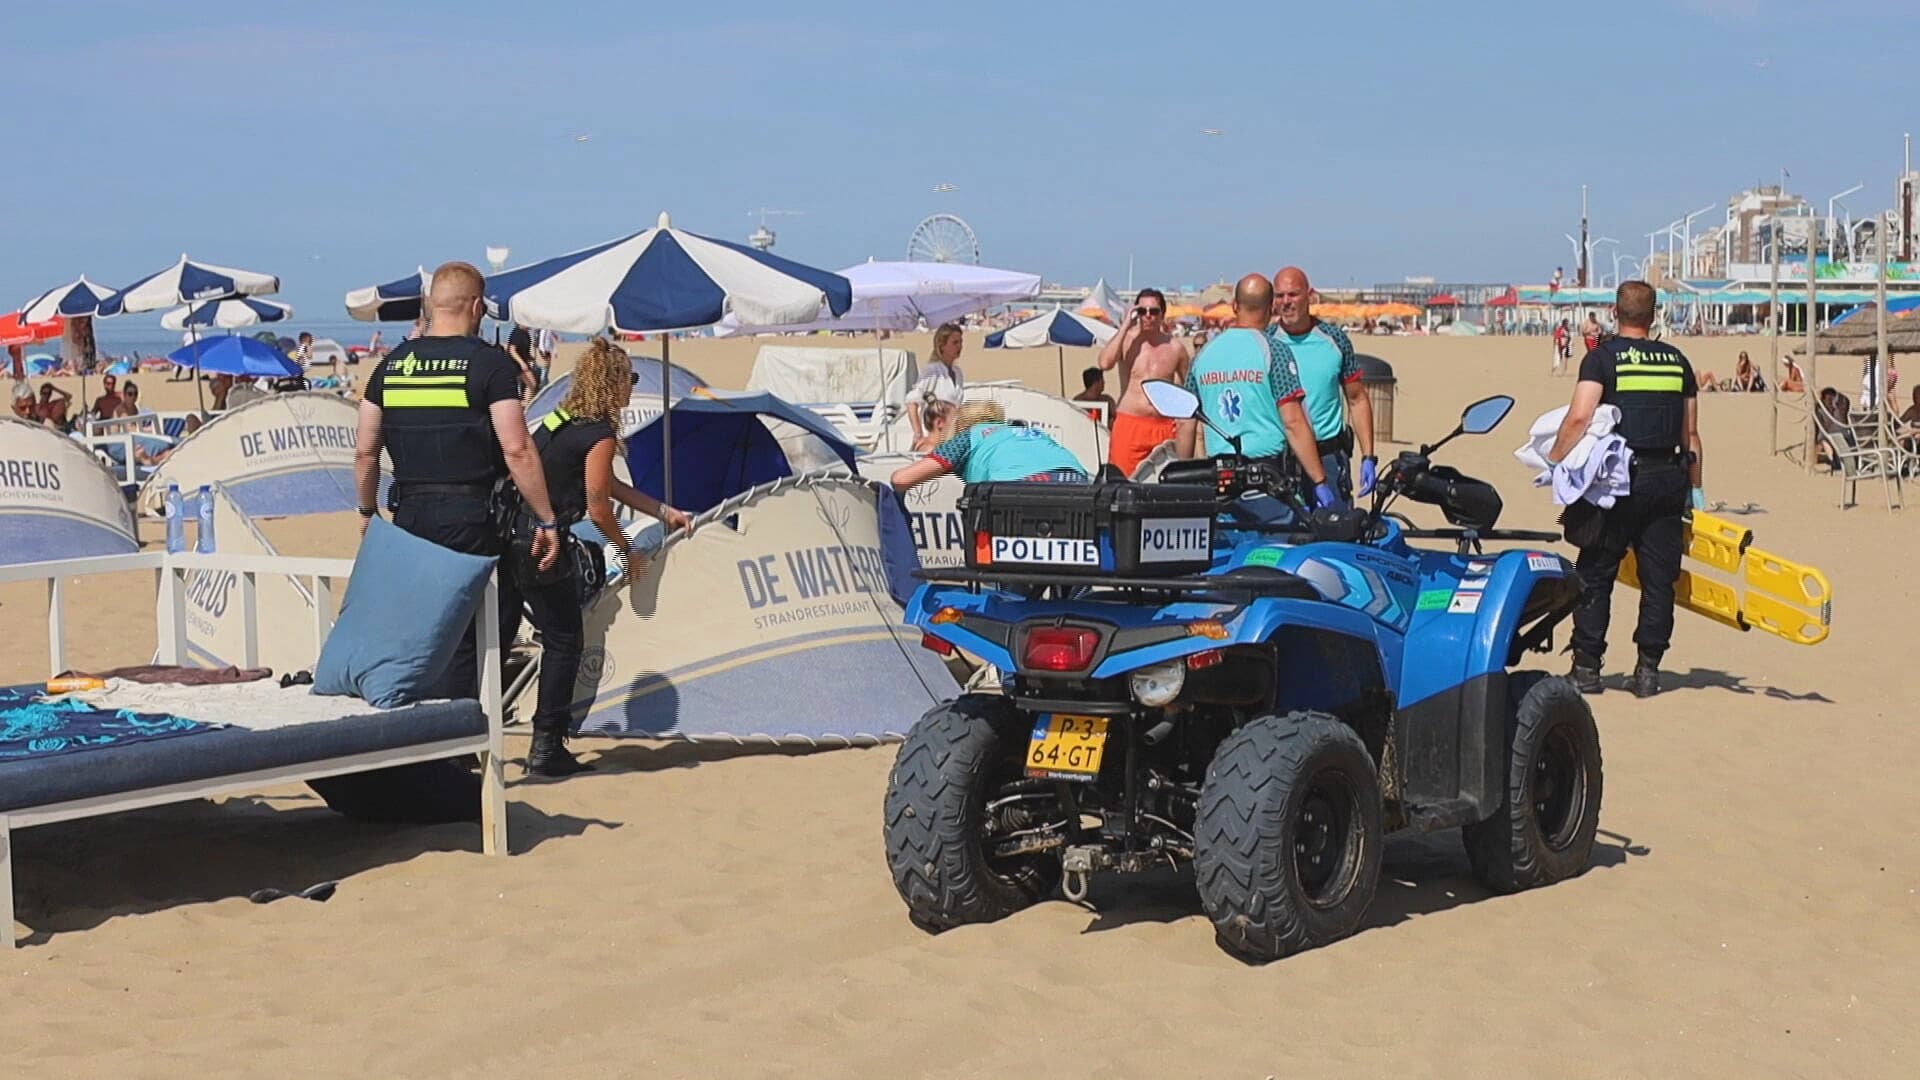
<point x="943" y="238"/>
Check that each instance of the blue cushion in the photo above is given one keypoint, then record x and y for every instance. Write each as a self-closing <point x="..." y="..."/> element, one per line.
<point x="406" y="606"/>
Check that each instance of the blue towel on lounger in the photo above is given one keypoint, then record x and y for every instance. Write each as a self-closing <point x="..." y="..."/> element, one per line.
<point x="31" y="728"/>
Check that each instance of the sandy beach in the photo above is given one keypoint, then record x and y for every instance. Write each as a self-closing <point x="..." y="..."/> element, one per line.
<point x="1753" y="907"/>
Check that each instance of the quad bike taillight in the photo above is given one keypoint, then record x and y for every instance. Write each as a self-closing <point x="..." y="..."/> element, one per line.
<point x="1061" y="648"/>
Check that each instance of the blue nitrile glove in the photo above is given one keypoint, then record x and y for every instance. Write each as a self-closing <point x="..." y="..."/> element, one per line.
<point x="1699" y="498"/>
<point x="1369" y="473"/>
<point x="1324" y="497"/>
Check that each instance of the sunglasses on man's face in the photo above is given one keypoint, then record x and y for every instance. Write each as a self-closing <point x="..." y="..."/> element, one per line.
<point x="1144" y="310"/>
<point x="633" y="378"/>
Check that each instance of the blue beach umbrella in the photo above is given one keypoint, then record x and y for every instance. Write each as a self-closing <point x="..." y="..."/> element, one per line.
<point x="660" y="280"/>
<point x="236" y="355"/>
<point x="1058" y="328"/>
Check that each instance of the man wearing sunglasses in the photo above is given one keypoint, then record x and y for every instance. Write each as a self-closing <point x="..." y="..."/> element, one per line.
<point x="1142" y="350"/>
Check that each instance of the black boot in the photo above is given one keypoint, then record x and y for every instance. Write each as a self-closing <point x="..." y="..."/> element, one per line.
<point x="1586" y="674"/>
<point x="549" y="756"/>
<point x="1646" y="676"/>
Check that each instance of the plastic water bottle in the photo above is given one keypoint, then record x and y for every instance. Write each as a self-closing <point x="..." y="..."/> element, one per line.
<point x="205" y="539"/>
<point x="176" y="520"/>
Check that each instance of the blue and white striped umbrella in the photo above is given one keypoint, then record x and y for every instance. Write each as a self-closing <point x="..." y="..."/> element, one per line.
<point x="664" y="279"/>
<point x="396" y="301"/>
<point x="72" y="300"/>
<point x="1056" y="327"/>
<point x="189" y="282"/>
<point x="1059" y="328"/>
<point x="226" y="314"/>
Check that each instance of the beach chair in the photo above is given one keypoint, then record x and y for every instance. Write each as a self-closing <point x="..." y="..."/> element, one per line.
<point x="97" y="763"/>
<point x="1859" y="454"/>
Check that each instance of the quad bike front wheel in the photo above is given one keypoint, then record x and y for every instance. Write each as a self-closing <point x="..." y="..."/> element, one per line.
<point x="1289" y="836"/>
<point x="1543" y="831"/>
<point x="959" y="813"/>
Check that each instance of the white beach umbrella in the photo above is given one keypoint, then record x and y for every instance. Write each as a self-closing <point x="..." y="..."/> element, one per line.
<point x="906" y="295"/>
<point x="189" y="282"/>
<point x="226" y="314"/>
<point x="395" y="301"/>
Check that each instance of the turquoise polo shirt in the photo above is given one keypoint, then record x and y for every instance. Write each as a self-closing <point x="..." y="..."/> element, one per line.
<point x="1241" y="381"/>
<point x="1323" y="358"/>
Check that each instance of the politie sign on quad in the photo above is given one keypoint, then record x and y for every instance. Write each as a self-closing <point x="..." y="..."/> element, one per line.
<point x="1115" y="528"/>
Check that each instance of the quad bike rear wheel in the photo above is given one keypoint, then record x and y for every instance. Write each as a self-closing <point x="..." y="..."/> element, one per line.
<point x="1289" y="835"/>
<point x="958" y="794"/>
<point x="1543" y="831"/>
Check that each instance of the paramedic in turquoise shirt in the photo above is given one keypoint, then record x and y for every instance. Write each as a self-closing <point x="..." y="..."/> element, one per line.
<point x="1248" y="389"/>
<point x="1322" y="357"/>
<point x="987" y="449"/>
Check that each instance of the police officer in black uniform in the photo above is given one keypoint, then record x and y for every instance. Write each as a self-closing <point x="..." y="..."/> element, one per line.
<point x="577" y="443"/>
<point x="446" y="407"/>
<point x="1653" y="385"/>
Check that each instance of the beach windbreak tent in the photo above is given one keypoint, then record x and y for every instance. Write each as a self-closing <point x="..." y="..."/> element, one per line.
<point x="280" y="455"/>
<point x="215" y="610"/>
<point x="1069" y="425"/>
<point x="57" y="501"/>
<point x="932" y="508"/>
<point x="771" y="621"/>
<point x="724" y="444"/>
<point x="809" y="375"/>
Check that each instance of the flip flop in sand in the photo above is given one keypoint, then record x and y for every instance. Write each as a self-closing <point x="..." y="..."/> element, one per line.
<point x="321" y="892"/>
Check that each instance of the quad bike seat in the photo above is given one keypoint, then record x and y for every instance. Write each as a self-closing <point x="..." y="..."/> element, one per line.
<point x="1268" y="581"/>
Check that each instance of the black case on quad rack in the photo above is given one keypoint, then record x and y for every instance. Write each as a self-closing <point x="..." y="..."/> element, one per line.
<point x="1175" y="519"/>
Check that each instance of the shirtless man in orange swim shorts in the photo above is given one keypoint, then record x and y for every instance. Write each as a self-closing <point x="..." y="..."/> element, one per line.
<point x="1142" y="350"/>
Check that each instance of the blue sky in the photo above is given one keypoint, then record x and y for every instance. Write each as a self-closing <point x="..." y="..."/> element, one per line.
<point x="341" y="143"/>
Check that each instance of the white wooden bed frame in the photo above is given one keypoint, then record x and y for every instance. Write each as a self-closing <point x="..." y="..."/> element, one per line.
<point x="170" y="579"/>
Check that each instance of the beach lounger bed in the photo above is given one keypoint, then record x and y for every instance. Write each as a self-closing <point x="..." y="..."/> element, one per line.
<point x="74" y="759"/>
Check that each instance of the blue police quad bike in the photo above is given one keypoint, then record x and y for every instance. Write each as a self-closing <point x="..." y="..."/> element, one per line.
<point x="1198" y="672"/>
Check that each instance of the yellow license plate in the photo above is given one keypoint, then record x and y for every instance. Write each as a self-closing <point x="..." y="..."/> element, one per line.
<point x="1066" y="747"/>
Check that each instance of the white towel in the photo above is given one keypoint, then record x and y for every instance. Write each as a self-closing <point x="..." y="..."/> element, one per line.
<point x="1596" y="469"/>
<point x="1602" y="478"/>
<point x="1541" y="435"/>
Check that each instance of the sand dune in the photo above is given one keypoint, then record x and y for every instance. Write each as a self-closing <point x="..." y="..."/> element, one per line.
<point x="689" y="911"/>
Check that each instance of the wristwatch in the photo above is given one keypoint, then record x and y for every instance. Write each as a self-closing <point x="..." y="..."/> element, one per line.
<point x="366" y="511"/>
<point x="547" y="526"/>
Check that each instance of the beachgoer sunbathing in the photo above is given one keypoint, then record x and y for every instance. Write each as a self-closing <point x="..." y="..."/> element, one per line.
<point x="53" y="406"/>
<point x="985" y="448"/>
<point x="1746" y="379"/>
<point x="107" y="405"/>
<point x="1794" y="382"/>
<point x="1832" y="421"/>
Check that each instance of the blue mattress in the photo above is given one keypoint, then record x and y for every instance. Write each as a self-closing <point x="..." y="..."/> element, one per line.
<point x="149" y="752"/>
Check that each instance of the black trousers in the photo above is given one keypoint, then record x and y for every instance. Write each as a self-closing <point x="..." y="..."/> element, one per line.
<point x="462" y="523"/>
<point x="1650" y="523"/>
<point x="556" y="610"/>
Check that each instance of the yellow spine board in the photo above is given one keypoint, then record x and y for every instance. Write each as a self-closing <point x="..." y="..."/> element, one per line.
<point x="1786" y="599"/>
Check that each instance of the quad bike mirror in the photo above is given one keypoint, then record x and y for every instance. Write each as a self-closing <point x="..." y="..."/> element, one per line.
<point x="1175" y="402"/>
<point x="1485" y="415"/>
